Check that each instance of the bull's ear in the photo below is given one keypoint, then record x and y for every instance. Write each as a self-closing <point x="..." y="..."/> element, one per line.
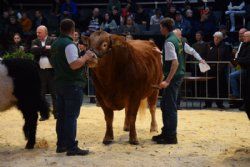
<point x="117" y="41"/>
<point x="86" y="40"/>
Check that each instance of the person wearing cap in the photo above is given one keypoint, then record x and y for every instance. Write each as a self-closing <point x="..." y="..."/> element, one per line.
<point x="217" y="88"/>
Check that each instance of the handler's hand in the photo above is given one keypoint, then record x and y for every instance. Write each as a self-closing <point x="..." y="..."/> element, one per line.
<point x="157" y="50"/>
<point x="89" y="55"/>
<point x="164" y="84"/>
<point x="203" y="61"/>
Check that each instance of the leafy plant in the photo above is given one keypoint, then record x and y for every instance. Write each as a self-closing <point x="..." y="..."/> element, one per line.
<point x="18" y="54"/>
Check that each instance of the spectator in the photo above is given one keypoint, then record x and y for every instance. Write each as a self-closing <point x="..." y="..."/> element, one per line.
<point x="227" y="39"/>
<point x="39" y="20"/>
<point x="82" y="46"/>
<point x="142" y="17"/>
<point x="56" y="7"/>
<point x="13" y="27"/>
<point x="76" y="37"/>
<point x="40" y="47"/>
<point x="116" y="16"/>
<point x="17" y="44"/>
<point x="26" y="23"/>
<point x="69" y="9"/>
<point x="169" y="10"/>
<point x="129" y="28"/>
<point x="108" y="24"/>
<point x="114" y="4"/>
<point x="235" y="7"/>
<point x="156" y="18"/>
<point x="207" y="22"/>
<point x="219" y="51"/>
<point x="193" y="22"/>
<point x="172" y="12"/>
<point x="236" y="75"/>
<point x="244" y="61"/>
<point x="94" y="21"/>
<point x="200" y="46"/>
<point x="183" y="24"/>
<point x="131" y="4"/>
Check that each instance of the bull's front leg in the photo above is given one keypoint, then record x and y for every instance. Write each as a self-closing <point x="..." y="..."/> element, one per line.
<point x="132" y="113"/>
<point x="109" y="136"/>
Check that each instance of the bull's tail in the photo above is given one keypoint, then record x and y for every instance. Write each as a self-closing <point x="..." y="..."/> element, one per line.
<point x="142" y="108"/>
<point x="44" y="108"/>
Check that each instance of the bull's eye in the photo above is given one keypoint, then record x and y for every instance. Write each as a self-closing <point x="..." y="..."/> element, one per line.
<point x="104" y="45"/>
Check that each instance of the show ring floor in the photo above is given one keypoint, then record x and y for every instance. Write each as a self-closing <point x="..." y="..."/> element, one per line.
<point x="206" y="138"/>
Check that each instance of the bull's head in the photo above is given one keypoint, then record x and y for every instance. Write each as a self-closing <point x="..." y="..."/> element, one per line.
<point x="102" y="43"/>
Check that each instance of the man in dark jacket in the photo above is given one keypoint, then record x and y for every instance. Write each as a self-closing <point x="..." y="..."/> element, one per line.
<point x="217" y="87"/>
<point x="244" y="61"/>
<point x="40" y="47"/>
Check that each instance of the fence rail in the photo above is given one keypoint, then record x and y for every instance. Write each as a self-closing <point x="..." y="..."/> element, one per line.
<point x="197" y="85"/>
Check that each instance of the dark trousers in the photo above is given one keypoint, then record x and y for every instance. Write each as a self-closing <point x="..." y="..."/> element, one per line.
<point x="48" y="86"/>
<point x="169" y="107"/>
<point x="69" y="101"/>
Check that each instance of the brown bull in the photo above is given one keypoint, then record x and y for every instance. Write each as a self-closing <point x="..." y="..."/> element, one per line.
<point x="124" y="74"/>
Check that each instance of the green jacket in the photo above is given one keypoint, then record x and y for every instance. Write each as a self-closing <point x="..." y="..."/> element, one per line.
<point x="64" y="75"/>
<point x="180" y="56"/>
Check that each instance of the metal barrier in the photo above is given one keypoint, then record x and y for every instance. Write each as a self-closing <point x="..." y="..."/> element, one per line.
<point x="196" y="86"/>
<point x="208" y="80"/>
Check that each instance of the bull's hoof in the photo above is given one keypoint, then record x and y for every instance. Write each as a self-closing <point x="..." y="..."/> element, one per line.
<point x="107" y="142"/>
<point x="126" y="129"/>
<point x="29" y="146"/>
<point x="135" y="142"/>
<point x="154" y="128"/>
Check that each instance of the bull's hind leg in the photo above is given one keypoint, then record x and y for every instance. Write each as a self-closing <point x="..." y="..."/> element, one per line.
<point x="126" y="121"/>
<point x="133" y="107"/>
<point x="152" y="100"/>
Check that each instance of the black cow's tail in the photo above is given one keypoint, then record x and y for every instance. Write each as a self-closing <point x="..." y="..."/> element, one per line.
<point x="44" y="108"/>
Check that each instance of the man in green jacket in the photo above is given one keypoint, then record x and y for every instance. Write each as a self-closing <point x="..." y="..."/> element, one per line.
<point x="174" y="70"/>
<point x="69" y="81"/>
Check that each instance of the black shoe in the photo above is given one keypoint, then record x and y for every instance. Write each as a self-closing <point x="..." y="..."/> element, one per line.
<point x="77" y="151"/>
<point x="222" y="107"/>
<point x="42" y="119"/>
<point x="61" y="149"/>
<point x="207" y="106"/>
<point x="242" y="108"/>
<point x="168" y="140"/>
<point x="158" y="137"/>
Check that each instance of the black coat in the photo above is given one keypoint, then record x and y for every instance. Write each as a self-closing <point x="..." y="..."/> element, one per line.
<point x="41" y="51"/>
<point x="244" y="61"/>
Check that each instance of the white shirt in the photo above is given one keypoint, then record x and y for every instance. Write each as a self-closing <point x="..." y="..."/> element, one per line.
<point x="170" y="53"/>
<point x="238" y="51"/>
<point x="71" y="53"/>
<point x="189" y="50"/>
<point x="44" y="61"/>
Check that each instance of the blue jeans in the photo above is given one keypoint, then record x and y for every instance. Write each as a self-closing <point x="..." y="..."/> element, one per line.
<point x="169" y="107"/>
<point x="68" y="103"/>
<point x="234" y="82"/>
